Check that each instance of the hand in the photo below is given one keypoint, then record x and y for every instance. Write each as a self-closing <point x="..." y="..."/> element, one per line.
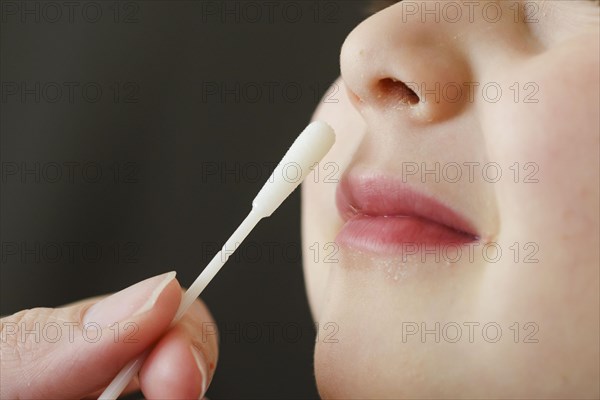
<point x="76" y="350"/>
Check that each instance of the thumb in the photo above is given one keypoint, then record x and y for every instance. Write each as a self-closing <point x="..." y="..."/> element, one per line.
<point x="76" y="350"/>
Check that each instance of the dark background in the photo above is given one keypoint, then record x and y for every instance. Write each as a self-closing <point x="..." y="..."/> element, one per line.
<point x="134" y="136"/>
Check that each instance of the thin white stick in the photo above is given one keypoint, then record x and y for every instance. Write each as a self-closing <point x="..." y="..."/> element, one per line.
<point x="120" y="382"/>
<point x="217" y="262"/>
<point x="307" y="150"/>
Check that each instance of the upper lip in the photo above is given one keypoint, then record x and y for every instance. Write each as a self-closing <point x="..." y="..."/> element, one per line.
<point x="377" y="195"/>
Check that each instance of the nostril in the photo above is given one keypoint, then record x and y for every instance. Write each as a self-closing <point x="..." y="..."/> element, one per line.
<point x="392" y="89"/>
<point x="354" y="98"/>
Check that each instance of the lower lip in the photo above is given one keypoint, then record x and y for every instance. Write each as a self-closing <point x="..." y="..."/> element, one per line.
<point x="397" y="235"/>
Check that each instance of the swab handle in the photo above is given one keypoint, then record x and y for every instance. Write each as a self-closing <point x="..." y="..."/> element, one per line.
<point x="120" y="382"/>
<point x="217" y="263"/>
<point x="306" y="151"/>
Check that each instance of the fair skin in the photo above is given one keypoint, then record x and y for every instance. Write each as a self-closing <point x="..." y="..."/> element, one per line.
<point x="371" y="297"/>
<point x="558" y="214"/>
<point x="79" y="348"/>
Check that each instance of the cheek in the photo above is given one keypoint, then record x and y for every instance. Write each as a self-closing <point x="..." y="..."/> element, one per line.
<point x="320" y="220"/>
<point x="548" y="205"/>
<point x="548" y="148"/>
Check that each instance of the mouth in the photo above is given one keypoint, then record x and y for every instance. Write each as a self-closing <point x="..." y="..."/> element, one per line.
<point x="385" y="216"/>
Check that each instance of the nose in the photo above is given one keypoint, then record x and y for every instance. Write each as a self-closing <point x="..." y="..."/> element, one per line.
<point x="392" y="63"/>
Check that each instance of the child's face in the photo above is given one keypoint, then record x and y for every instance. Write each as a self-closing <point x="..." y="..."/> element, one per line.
<point x="516" y="313"/>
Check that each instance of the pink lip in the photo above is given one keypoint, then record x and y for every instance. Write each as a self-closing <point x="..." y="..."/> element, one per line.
<point x="384" y="216"/>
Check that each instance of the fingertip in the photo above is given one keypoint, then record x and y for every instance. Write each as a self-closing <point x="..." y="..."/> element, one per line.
<point x="122" y="341"/>
<point x="168" y="301"/>
<point x="94" y="337"/>
<point x="202" y="368"/>
<point x="201" y="326"/>
<point x="174" y="369"/>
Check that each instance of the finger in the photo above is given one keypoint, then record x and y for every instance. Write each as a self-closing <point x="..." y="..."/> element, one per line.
<point x="133" y="386"/>
<point x="182" y="363"/>
<point x="74" y="351"/>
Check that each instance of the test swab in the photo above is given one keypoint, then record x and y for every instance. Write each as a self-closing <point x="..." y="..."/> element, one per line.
<point x="304" y="154"/>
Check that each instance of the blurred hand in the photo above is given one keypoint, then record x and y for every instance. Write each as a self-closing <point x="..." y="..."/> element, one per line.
<point x="76" y="350"/>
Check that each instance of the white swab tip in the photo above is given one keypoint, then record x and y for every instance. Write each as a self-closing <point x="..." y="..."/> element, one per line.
<point x="307" y="150"/>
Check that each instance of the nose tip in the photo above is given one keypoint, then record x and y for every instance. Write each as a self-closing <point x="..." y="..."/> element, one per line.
<point x="399" y="67"/>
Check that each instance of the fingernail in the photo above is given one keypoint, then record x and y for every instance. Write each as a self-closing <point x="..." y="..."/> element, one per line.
<point x="202" y="368"/>
<point x="129" y="302"/>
